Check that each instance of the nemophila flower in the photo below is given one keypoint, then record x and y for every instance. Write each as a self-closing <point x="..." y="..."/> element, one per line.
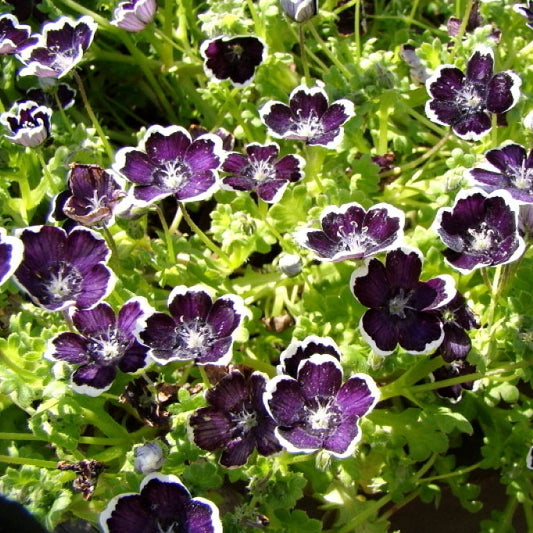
<point x="233" y="58"/>
<point x="317" y="411"/>
<point x="510" y="168"/>
<point x="11" y="250"/>
<point x="261" y="171"/>
<point x="480" y="230"/>
<point x="198" y="328"/>
<point x="59" y="48"/>
<point x="351" y="232"/>
<point x="28" y="123"/>
<point x="164" y="505"/>
<point x="309" y="117"/>
<point x="526" y="10"/>
<point x="134" y="15"/>
<point x="65" y="94"/>
<point x="236" y="420"/>
<point x="298" y="351"/>
<point x="168" y="162"/>
<point x="401" y="308"/>
<point x="457" y="318"/>
<point x="94" y="195"/>
<point x="300" y="10"/>
<point x="456" y="368"/>
<point x="290" y="264"/>
<point x="14" y="37"/>
<point x="60" y="270"/>
<point x="465" y="101"/>
<point x="105" y="343"/>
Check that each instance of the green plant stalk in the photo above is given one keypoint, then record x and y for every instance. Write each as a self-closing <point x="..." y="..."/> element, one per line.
<point x="168" y="237"/>
<point x="462" y="28"/>
<point x="303" y="56"/>
<point x="28" y="461"/>
<point x="97" y="126"/>
<point x="362" y="517"/>
<point x="455" y="473"/>
<point x="357" y="31"/>
<point x="97" y="441"/>
<point x="505" y="526"/>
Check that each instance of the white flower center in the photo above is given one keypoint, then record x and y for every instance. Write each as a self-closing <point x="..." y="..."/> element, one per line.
<point x="170" y="529"/>
<point x="470" y="98"/>
<point x="355" y="241"/>
<point x="262" y="171"/>
<point x="308" y="127"/>
<point x="108" y="348"/>
<point x="482" y="238"/>
<point x="522" y="177"/>
<point x="398" y="303"/>
<point x="324" y="416"/>
<point x="63" y="283"/>
<point x="244" y="420"/>
<point x="171" y="174"/>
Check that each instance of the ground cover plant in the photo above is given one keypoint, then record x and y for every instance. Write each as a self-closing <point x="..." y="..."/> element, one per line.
<point x="266" y="264"/>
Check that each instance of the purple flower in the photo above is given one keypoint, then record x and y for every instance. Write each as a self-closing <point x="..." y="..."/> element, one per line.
<point x="14" y="37"/>
<point x="298" y="351"/>
<point x="59" y="48"/>
<point x="163" y="505"/>
<point x="308" y="117"/>
<point x="28" y="123"/>
<point x="60" y="270"/>
<point x="198" y="328"/>
<point x="316" y="411"/>
<point x="459" y="367"/>
<point x="300" y="10"/>
<point x="457" y="318"/>
<point x="401" y="308"/>
<point x="480" y="230"/>
<point x="134" y="15"/>
<point x="261" y="171"/>
<point x="11" y="251"/>
<point x="65" y="94"/>
<point x="509" y="168"/>
<point x="168" y="162"/>
<point x="236" y="420"/>
<point x="233" y="58"/>
<point x="526" y="10"/>
<point x="350" y="232"/>
<point x="95" y="194"/>
<point x="104" y="343"/>
<point x="465" y="102"/>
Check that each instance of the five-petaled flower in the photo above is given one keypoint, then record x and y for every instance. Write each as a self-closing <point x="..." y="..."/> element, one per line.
<point x="480" y="230"/>
<point x="94" y="195"/>
<point x="198" y="328"/>
<point x="28" y="123"/>
<point x="59" y="48"/>
<point x="317" y="411"/>
<point x="60" y="270"/>
<point x="465" y="101"/>
<point x="11" y="251"/>
<point x="104" y="343"/>
<point x="66" y="96"/>
<point x="309" y="117"/>
<point x="163" y="505"/>
<point x="351" y="232"/>
<point x="261" y="171"/>
<point x="234" y="58"/>
<point x="401" y="308"/>
<point x="236" y="419"/>
<point x="509" y="168"/>
<point x="134" y="15"/>
<point x="14" y="37"/>
<point x="454" y="369"/>
<point x="168" y="162"/>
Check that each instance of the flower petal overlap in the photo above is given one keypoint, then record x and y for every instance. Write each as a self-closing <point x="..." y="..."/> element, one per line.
<point x="316" y="410"/>
<point x="28" y="123"/>
<point x="309" y="117"/>
<point x="466" y="101"/>
<point x="401" y="308"/>
<point x="480" y="230"/>
<point x="14" y="37"/>
<point x="351" y="232"/>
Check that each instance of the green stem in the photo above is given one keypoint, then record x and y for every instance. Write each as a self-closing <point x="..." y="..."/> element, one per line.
<point x="64" y="118"/>
<point x="506" y="522"/>
<point x="28" y="461"/>
<point x="168" y="235"/>
<point x="303" y="57"/>
<point x="109" y="150"/>
<point x="362" y="517"/>
<point x="110" y="241"/>
<point x="98" y="441"/>
<point x="455" y="473"/>
<point x="357" y="31"/>
<point x="332" y="57"/>
<point x="203" y="237"/>
<point x="462" y="28"/>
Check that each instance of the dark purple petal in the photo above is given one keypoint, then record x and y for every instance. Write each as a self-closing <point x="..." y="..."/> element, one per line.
<point x="343" y="439"/>
<point x="472" y="127"/>
<point x="277" y="117"/>
<point x="14" y="37"/>
<point x="235" y="163"/>
<point x="134" y="358"/>
<point x="236" y="452"/>
<point x="96" y="285"/>
<point x="456" y="343"/>
<point x="68" y="347"/>
<point x="445" y="83"/>
<point x="85" y="248"/>
<point x="419" y="332"/>
<point x="225" y="316"/>
<point x="370" y="284"/>
<point x="503" y="91"/>
<point x="186" y="304"/>
<point x="131" y="316"/>
<point x="336" y="115"/>
<point x="160" y="335"/>
<point x="284" y="401"/>
<point x="297" y="439"/>
<point x="319" y="377"/>
<point x="380" y="330"/>
<point x="271" y="191"/>
<point x="229" y="392"/>
<point x="480" y="66"/>
<point x="307" y="103"/>
<point x="91" y="322"/>
<point x="404" y="266"/>
<point x="166" y="144"/>
<point x="202" y="154"/>
<point x="11" y="253"/>
<point x="135" y="165"/>
<point x="199" y="187"/>
<point x="357" y="396"/>
<point x="134" y="15"/>
<point x="218" y="352"/>
<point x="92" y="379"/>
<point x="211" y="428"/>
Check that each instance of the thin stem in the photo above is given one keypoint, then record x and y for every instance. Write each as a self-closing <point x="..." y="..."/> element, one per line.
<point x="28" y="461"/>
<point x="303" y="57"/>
<point x="203" y="237"/>
<point x="464" y="24"/>
<point x="455" y="473"/>
<point x="110" y="241"/>
<point x="109" y="150"/>
<point x="362" y="517"/>
<point x="168" y="235"/>
<point x="64" y="118"/>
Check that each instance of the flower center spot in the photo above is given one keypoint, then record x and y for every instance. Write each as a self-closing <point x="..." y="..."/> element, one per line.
<point x="522" y="177"/>
<point x="63" y="283"/>
<point x="171" y="174"/>
<point x="323" y="417"/>
<point x="261" y="171"/>
<point x="471" y="98"/>
<point x="398" y="303"/>
<point x="482" y="238"/>
<point x="307" y="127"/>
<point x="107" y="349"/>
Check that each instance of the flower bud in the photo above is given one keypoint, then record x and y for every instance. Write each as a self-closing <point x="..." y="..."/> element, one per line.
<point x="300" y="10"/>
<point x="148" y="458"/>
